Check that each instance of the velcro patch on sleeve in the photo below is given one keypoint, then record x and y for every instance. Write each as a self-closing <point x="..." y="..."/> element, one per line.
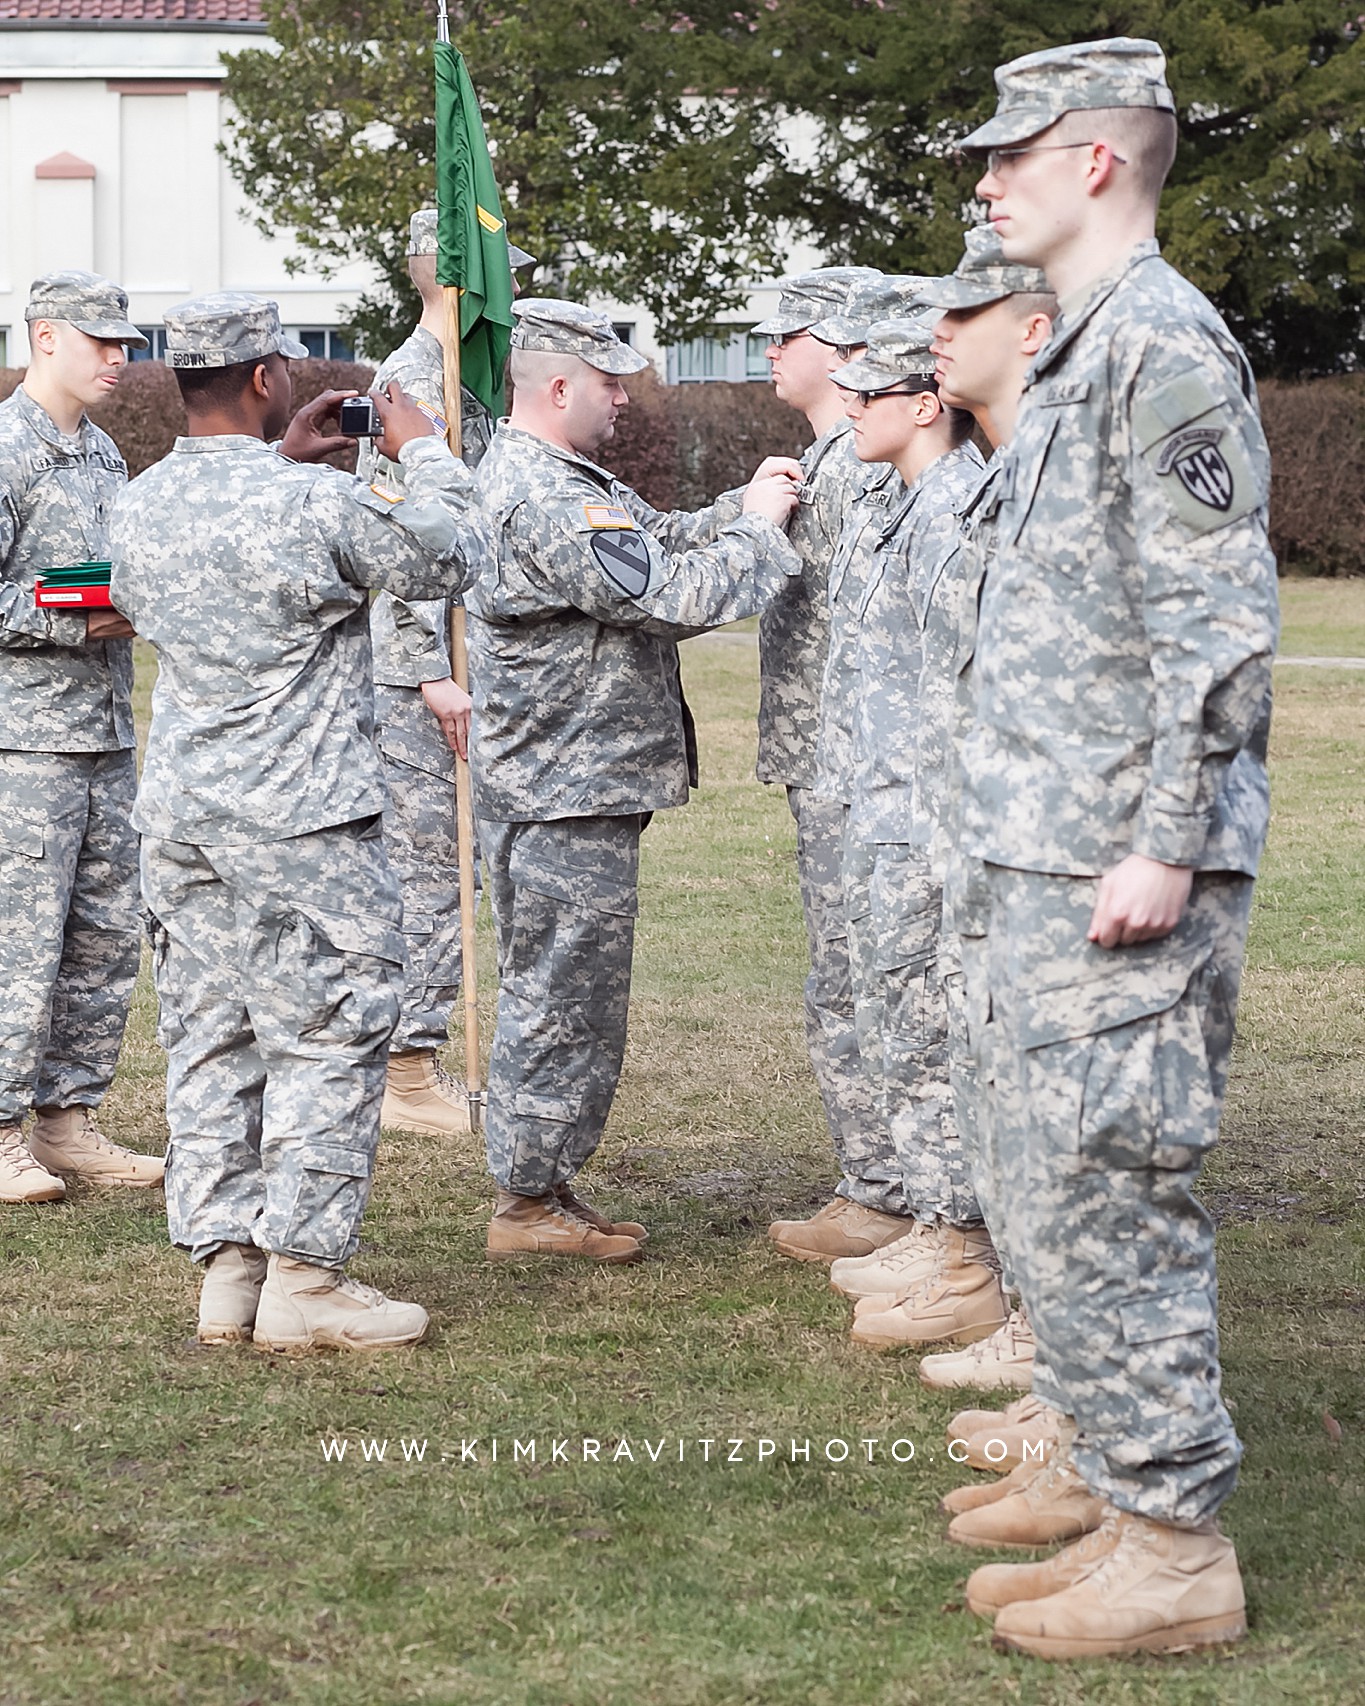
<point x="623" y="556"/>
<point x="1192" y="439"/>
<point x="608" y="515"/>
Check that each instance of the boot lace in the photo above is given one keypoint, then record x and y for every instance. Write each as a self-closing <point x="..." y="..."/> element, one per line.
<point x="14" y="1150"/>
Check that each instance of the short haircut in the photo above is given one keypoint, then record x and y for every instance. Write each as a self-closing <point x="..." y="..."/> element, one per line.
<point x="1027" y="303"/>
<point x="529" y="369"/>
<point x="204" y="389"/>
<point x="1145" y="137"/>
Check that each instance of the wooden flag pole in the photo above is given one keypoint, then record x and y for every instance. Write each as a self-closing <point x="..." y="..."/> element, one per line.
<point x="464" y="799"/>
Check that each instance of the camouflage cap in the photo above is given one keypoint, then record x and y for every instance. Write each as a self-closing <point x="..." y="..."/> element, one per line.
<point x="806" y="297"/>
<point x="93" y="305"/>
<point x="885" y="296"/>
<point x="423" y="239"/>
<point x="983" y="275"/>
<point x="568" y="328"/>
<point x="224" y="330"/>
<point x="1038" y="88"/>
<point x="897" y="350"/>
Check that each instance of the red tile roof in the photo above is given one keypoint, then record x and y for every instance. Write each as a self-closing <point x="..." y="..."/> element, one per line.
<point x="131" y="12"/>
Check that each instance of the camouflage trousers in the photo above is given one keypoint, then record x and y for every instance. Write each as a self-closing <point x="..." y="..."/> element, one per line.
<point x="279" y="970"/>
<point x="69" y="925"/>
<point x="564" y="905"/>
<point x="419" y="833"/>
<point x="1109" y="1068"/>
<point x="894" y="927"/>
<point x="851" y="1110"/>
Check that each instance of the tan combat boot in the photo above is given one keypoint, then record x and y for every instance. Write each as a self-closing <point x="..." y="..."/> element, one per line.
<point x="962" y="1299"/>
<point x="1019" y="1440"/>
<point x="1157" y="1589"/>
<point x="305" y="1307"/>
<point x="841" y="1228"/>
<point x="1049" y="1504"/>
<point x="420" y="1095"/>
<point x="68" y="1142"/>
<point x="22" y="1179"/>
<point x="542" y="1226"/>
<point x="968" y="1422"/>
<point x="892" y="1272"/>
<point x="1004" y="1360"/>
<point x="575" y="1205"/>
<point x="994" y="1586"/>
<point x="978" y="1493"/>
<point x="233" y="1277"/>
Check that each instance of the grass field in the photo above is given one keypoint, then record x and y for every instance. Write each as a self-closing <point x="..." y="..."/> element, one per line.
<point x="171" y="1532"/>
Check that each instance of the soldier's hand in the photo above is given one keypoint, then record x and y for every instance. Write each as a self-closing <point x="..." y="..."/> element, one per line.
<point x="107" y="625"/>
<point x="780" y="465"/>
<point x="1140" y="900"/>
<point x="451" y="706"/>
<point x="306" y="440"/>
<point x="403" y="421"/>
<point x="773" y="495"/>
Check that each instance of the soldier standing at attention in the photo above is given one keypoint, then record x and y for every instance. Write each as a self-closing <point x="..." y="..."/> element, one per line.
<point x="580" y="733"/>
<point x="421" y="722"/>
<point x="277" y="951"/>
<point x="1115" y="785"/>
<point x="68" y="871"/>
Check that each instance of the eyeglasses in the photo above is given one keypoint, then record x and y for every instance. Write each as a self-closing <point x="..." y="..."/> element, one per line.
<point x="845" y="351"/>
<point x="996" y="157"/>
<point x="780" y="340"/>
<point x="866" y="397"/>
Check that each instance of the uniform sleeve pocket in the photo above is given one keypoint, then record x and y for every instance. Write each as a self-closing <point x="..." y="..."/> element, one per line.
<point x="1192" y="443"/>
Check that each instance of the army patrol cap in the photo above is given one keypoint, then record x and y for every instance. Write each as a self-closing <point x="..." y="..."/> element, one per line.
<point x="224" y="330"/>
<point x="897" y="350"/>
<point x="568" y="328"/>
<point x="806" y="297"/>
<point x="1038" y="88"/>
<point x="93" y="305"/>
<point x="884" y="296"/>
<point x="983" y="275"/>
<point x="422" y="239"/>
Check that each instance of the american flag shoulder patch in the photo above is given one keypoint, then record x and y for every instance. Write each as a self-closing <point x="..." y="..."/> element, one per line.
<point x="607" y="515"/>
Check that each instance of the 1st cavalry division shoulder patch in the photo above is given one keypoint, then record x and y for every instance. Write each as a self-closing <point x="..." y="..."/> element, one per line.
<point x="623" y="556"/>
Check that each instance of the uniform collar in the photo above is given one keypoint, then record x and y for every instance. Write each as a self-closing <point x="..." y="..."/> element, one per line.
<point x="1082" y="306"/>
<point x="47" y="429"/>
<point x="520" y="438"/>
<point x="220" y="441"/>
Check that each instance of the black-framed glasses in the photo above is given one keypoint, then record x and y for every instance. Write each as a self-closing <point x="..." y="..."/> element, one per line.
<point x="779" y="340"/>
<point x="866" y="397"/>
<point x="996" y="157"/>
<point x="845" y="351"/>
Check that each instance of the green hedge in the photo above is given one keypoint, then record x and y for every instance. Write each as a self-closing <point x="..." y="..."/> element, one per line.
<point x="679" y="445"/>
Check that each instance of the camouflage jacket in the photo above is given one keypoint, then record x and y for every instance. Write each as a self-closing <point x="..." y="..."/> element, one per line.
<point x="57" y="694"/>
<point x="871" y="504"/>
<point x="248" y="574"/>
<point x="1128" y="620"/>
<point x="908" y="623"/>
<point x="412" y="641"/>
<point x="793" y="632"/>
<point x="578" y="707"/>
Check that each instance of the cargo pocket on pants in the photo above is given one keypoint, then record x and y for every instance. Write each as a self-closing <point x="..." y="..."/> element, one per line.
<point x="347" y="974"/>
<point x="332" y="1185"/>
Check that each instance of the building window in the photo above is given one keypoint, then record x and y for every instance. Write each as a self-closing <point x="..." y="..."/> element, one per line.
<point x="156" y="344"/>
<point x="4" y="346"/>
<point x="625" y="330"/>
<point x="731" y="354"/>
<point x="324" y="343"/>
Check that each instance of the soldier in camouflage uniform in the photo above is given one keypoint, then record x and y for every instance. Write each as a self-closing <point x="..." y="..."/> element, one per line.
<point x="821" y="323"/>
<point x="580" y="733"/>
<point x="1115" y="785"/>
<point x="421" y="722"/>
<point x="68" y="879"/>
<point x="275" y="919"/>
<point x="938" y="1279"/>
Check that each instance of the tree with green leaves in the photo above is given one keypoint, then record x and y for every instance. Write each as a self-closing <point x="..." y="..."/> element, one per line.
<point x="669" y="156"/>
<point x="625" y="161"/>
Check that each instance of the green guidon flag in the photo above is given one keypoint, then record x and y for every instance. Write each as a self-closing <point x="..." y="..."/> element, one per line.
<point x="471" y="235"/>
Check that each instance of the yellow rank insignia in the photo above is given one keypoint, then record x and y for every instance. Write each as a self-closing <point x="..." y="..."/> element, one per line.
<point x="388" y="496"/>
<point x="607" y="515"/>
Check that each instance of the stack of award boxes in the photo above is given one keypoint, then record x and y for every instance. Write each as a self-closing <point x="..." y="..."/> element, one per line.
<point x="77" y="586"/>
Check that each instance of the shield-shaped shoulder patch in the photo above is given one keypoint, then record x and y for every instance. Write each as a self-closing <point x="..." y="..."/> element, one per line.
<point x="624" y="559"/>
